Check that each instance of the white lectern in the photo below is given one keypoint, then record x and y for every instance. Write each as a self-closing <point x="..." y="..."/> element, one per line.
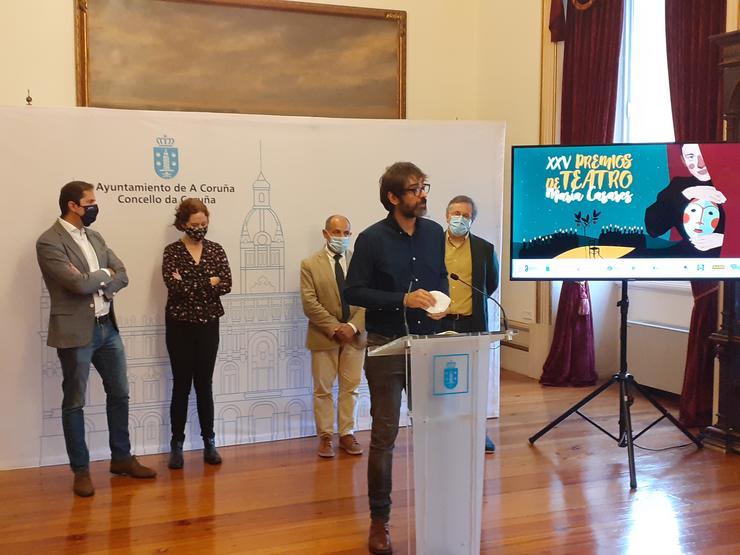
<point x="449" y="389"/>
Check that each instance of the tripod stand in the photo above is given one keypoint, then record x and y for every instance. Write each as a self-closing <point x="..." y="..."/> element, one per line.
<point x="626" y="382"/>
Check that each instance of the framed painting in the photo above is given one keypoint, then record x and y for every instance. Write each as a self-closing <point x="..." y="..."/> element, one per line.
<point x="244" y="56"/>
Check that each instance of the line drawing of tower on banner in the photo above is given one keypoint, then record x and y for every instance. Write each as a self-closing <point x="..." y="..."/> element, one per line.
<point x="262" y="385"/>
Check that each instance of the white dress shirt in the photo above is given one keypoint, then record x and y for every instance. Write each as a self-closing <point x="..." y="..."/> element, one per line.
<point x="102" y="306"/>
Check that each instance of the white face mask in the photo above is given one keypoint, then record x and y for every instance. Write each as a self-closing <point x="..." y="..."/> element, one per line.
<point x="338" y="245"/>
<point x="460" y="225"/>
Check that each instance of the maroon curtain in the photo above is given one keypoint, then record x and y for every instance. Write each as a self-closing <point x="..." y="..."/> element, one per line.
<point x="693" y="71"/>
<point x="593" y="39"/>
<point x="571" y="360"/>
<point x="695" y="408"/>
<point x="693" y="76"/>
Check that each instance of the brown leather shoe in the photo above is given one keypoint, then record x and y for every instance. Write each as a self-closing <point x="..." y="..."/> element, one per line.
<point x="350" y="445"/>
<point x="132" y="467"/>
<point x="379" y="539"/>
<point x="83" y="486"/>
<point x="326" y="449"/>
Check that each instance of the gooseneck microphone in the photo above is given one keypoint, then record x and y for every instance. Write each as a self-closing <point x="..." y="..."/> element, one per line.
<point x="455" y="277"/>
<point x="405" y="319"/>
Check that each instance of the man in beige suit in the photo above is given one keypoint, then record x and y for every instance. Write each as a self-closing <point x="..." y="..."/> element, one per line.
<point x="336" y="337"/>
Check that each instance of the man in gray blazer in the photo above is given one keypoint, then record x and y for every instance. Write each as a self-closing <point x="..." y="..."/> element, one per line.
<point x="82" y="275"/>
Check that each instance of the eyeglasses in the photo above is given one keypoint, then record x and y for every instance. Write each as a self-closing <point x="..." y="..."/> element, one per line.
<point x="418" y="189"/>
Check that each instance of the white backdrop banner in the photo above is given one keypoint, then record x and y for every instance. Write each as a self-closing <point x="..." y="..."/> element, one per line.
<point x="269" y="183"/>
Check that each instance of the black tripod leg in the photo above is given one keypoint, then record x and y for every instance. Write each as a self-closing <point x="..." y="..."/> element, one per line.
<point x="624" y="408"/>
<point x="571" y="410"/>
<point x="668" y="415"/>
<point x="625" y="428"/>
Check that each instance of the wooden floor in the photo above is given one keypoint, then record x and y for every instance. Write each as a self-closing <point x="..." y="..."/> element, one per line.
<point x="568" y="494"/>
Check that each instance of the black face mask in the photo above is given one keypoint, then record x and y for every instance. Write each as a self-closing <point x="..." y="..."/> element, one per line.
<point x="91" y="213"/>
<point x="196" y="233"/>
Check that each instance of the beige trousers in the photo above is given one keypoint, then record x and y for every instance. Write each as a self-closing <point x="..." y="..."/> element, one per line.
<point x="346" y="363"/>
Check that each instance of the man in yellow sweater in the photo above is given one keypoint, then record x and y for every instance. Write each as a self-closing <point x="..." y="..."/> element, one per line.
<point x="473" y="260"/>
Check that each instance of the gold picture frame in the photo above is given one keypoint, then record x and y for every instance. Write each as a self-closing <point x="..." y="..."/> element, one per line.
<point x="245" y="56"/>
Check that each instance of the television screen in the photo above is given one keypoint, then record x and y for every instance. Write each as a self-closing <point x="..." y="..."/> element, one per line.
<point x="625" y="211"/>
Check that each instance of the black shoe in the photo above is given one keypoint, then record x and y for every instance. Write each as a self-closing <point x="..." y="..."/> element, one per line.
<point x="176" y="461"/>
<point x="210" y="455"/>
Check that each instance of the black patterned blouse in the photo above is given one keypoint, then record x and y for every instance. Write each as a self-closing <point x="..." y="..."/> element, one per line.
<point x="193" y="298"/>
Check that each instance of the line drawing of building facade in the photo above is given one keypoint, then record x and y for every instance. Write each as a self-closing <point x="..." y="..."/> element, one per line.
<point x="262" y="385"/>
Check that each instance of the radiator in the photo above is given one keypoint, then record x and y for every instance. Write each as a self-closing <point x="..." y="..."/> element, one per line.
<point x="656" y="355"/>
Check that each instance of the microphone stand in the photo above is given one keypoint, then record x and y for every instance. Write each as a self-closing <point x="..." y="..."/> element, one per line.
<point x="455" y="277"/>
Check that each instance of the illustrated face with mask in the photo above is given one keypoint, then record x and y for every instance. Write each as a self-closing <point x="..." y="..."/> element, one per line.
<point x="337" y="232"/>
<point x="459" y="218"/>
<point x="197" y="226"/>
<point x="701" y="217"/>
<point x="87" y="209"/>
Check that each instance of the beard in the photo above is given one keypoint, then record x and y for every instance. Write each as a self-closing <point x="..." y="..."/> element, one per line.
<point x="416" y="211"/>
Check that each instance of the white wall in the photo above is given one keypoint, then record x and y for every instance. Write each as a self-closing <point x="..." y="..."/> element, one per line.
<point x="37" y="52"/>
<point x="509" y="90"/>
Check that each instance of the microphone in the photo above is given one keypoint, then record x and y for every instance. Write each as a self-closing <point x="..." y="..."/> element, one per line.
<point x="455" y="277"/>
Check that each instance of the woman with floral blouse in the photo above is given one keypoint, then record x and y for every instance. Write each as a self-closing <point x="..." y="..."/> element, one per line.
<point x="196" y="273"/>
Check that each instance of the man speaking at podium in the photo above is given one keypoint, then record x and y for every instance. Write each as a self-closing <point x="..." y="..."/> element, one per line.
<point x="396" y="263"/>
<point x="473" y="260"/>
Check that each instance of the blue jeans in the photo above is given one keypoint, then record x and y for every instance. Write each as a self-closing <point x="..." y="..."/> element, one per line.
<point x="105" y="352"/>
<point x="386" y="378"/>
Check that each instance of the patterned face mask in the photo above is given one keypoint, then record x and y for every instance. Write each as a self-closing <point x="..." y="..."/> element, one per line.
<point x="196" y="233"/>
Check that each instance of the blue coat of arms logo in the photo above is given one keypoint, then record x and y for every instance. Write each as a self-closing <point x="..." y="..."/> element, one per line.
<point x="451" y="375"/>
<point x="166" y="158"/>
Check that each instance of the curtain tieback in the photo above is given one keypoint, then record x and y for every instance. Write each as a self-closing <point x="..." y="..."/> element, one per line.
<point x="582" y="5"/>
<point x="714" y="289"/>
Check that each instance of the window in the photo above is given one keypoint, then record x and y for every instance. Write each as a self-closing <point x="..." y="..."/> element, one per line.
<point x="643" y="97"/>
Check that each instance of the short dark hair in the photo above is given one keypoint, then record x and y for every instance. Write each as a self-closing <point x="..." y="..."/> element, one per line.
<point x="187" y="208"/>
<point x="394" y="181"/>
<point x="74" y="191"/>
<point x="464" y="198"/>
